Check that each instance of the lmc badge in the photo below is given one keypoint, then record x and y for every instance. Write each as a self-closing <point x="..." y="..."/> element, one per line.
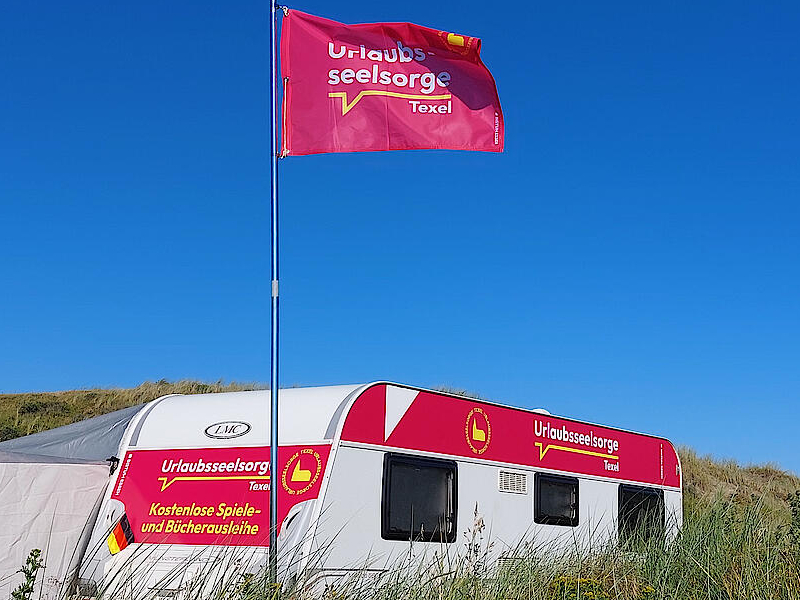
<point x="225" y="430"/>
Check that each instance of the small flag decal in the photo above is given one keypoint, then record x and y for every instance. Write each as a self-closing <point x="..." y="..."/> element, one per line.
<point x="120" y="536"/>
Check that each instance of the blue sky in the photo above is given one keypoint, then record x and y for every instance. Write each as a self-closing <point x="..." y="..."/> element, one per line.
<point x="631" y="259"/>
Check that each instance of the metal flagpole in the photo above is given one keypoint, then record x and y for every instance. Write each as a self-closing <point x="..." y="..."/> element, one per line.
<point x="273" y="376"/>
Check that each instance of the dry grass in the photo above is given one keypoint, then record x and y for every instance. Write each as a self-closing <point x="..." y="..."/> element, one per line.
<point x="707" y="479"/>
<point x="23" y="414"/>
<point x="457" y="391"/>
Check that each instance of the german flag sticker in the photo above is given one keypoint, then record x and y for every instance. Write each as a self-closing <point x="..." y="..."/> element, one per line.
<point x="120" y="536"/>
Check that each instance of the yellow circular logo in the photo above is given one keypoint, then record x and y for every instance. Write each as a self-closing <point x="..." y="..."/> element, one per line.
<point x="301" y="471"/>
<point x="478" y="431"/>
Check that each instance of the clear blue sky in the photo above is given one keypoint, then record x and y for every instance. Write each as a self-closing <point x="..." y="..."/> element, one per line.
<point x="633" y="258"/>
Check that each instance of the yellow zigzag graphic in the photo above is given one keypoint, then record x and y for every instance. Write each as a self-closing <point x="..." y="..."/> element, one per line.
<point x="543" y="451"/>
<point x="166" y="481"/>
<point x="347" y="107"/>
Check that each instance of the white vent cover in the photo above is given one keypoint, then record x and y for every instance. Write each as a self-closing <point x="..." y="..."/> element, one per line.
<point x="508" y="562"/>
<point x="512" y="482"/>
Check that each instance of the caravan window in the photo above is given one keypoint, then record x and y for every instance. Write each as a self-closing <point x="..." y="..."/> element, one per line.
<point x="641" y="513"/>
<point x="555" y="500"/>
<point x="419" y="499"/>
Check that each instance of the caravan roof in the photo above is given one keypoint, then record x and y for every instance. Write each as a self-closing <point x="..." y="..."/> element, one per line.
<point x="379" y="414"/>
<point x="306" y="414"/>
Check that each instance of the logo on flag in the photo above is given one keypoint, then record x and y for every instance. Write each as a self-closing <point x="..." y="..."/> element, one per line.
<point x="120" y="536"/>
<point x="384" y="86"/>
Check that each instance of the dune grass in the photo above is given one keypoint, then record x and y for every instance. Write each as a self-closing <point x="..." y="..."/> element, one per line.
<point x="740" y="539"/>
<point x="23" y="414"/>
<point x="32" y="412"/>
<point x="727" y="550"/>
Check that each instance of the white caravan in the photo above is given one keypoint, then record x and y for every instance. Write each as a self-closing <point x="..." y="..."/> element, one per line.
<point x="367" y="474"/>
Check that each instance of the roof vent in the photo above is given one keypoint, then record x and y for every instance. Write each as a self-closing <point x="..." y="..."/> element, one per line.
<point x="512" y="482"/>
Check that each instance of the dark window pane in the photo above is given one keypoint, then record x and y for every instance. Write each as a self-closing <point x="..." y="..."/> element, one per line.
<point x="418" y="499"/>
<point x="556" y="500"/>
<point x="641" y="513"/>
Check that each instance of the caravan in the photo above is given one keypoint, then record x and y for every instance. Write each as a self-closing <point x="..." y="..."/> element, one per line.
<point x="367" y="474"/>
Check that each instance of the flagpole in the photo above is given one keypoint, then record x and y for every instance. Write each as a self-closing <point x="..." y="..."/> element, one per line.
<point x="273" y="376"/>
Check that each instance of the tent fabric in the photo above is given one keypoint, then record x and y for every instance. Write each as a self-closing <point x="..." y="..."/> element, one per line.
<point x="93" y="439"/>
<point x="19" y="457"/>
<point x="50" y="485"/>
<point x="46" y="504"/>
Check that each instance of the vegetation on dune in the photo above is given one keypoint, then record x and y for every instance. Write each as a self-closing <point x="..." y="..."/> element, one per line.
<point x="23" y="414"/>
<point x="707" y="480"/>
<point x="32" y="412"/>
<point x="740" y="539"/>
<point x="727" y="550"/>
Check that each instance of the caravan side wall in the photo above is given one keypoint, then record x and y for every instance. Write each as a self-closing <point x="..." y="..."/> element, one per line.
<point x="496" y="506"/>
<point x="500" y="455"/>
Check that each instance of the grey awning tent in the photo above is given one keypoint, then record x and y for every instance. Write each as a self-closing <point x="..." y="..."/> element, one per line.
<point x="47" y="503"/>
<point x="92" y="439"/>
<point x="51" y="484"/>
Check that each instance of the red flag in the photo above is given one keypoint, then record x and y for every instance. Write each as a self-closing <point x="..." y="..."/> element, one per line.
<point x="384" y="86"/>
